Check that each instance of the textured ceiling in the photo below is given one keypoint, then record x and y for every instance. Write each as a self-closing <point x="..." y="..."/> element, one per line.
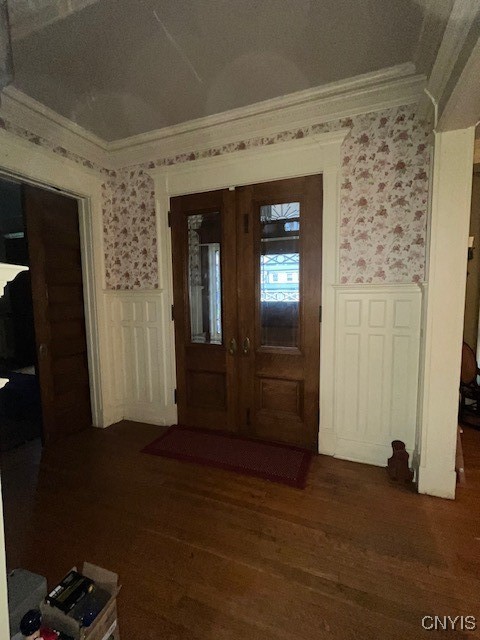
<point x="122" y="67"/>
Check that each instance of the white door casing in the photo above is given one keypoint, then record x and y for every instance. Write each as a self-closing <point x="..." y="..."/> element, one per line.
<point x="307" y="156"/>
<point x="26" y="162"/>
<point x="444" y="311"/>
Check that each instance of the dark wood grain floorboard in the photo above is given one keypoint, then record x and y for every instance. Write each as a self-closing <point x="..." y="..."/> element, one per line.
<point x="207" y="554"/>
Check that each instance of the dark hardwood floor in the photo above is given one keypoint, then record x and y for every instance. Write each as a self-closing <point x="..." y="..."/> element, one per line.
<point x="207" y="554"/>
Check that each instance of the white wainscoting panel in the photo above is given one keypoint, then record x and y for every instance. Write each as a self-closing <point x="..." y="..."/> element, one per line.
<point x="376" y="373"/>
<point x="141" y="385"/>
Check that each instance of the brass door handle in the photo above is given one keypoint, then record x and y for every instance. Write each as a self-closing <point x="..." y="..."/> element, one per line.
<point x="246" y="346"/>
<point x="232" y="347"/>
<point x="42" y="350"/>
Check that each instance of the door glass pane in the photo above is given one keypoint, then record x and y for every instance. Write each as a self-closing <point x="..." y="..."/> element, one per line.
<point x="204" y="277"/>
<point x="280" y="274"/>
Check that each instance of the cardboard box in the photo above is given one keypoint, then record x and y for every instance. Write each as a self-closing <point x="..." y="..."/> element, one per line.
<point x="105" y="624"/>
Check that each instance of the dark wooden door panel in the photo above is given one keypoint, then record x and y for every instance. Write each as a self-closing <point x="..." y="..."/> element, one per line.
<point x="65" y="294"/>
<point x="57" y="291"/>
<point x="280" y="286"/>
<point x="65" y="276"/>
<point x="204" y="272"/>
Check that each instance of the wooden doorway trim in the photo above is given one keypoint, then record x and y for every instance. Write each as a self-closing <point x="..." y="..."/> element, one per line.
<point x="23" y="161"/>
<point x="307" y="156"/>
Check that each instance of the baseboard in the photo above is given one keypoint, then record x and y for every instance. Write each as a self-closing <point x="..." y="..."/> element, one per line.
<point x="364" y="452"/>
<point x="327" y="441"/>
<point x="160" y="416"/>
<point x="111" y="415"/>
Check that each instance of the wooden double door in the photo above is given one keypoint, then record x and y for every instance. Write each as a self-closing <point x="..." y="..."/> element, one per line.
<point x="247" y="306"/>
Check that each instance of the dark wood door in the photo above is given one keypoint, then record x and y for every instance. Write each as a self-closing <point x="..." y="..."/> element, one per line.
<point x="204" y="272"/>
<point x="58" y="306"/>
<point x="260" y="375"/>
<point x="279" y="324"/>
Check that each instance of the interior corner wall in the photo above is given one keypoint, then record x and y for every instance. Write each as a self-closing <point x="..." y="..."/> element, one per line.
<point x="383" y="191"/>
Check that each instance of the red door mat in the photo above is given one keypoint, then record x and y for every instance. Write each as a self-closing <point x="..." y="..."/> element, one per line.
<point x="276" y="462"/>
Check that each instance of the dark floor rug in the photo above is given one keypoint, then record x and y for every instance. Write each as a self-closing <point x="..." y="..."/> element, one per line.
<point x="276" y="462"/>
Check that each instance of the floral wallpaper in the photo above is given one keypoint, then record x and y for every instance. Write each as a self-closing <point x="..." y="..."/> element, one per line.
<point x="130" y="230"/>
<point x="383" y="195"/>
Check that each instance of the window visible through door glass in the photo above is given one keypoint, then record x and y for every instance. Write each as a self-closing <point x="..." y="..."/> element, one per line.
<point x="204" y="277"/>
<point x="280" y="274"/>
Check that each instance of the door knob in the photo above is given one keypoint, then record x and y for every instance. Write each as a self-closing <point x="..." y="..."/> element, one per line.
<point x="42" y="350"/>
<point x="246" y="346"/>
<point x="232" y="347"/>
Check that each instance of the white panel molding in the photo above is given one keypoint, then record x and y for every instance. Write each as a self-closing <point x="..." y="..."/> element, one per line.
<point x="377" y="343"/>
<point x="29" y="114"/>
<point x="137" y="332"/>
<point x="307" y="156"/>
<point x="391" y="87"/>
<point x="21" y="160"/>
<point x="444" y="310"/>
<point x="383" y="89"/>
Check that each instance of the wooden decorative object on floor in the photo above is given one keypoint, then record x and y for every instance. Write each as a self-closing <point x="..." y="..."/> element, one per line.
<point x="397" y="467"/>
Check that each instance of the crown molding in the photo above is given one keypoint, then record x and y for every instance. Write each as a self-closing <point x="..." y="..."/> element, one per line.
<point x="383" y="89"/>
<point x="27" y="113"/>
<point x="391" y="87"/>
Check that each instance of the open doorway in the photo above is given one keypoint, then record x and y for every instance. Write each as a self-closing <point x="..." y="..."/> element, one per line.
<point x="20" y="405"/>
<point x="469" y="419"/>
<point x="43" y="344"/>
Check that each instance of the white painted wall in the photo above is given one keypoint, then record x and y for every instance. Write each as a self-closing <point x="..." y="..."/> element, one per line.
<point x="450" y="217"/>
